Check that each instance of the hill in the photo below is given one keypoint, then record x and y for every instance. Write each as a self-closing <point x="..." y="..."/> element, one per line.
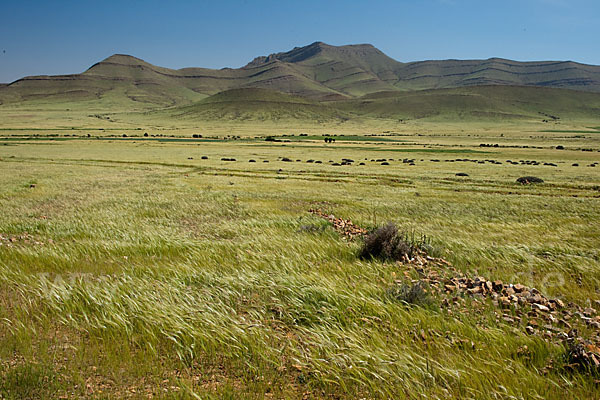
<point x="497" y="71"/>
<point x="478" y="102"/>
<point x="318" y="71"/>
<point x="475" y="103"/>
<point x="254" y="104"/>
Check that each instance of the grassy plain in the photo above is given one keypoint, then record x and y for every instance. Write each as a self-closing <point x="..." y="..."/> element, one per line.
<point x="132" y="267"/>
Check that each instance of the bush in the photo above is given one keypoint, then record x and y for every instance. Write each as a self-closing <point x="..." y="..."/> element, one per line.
<point x="579" y="357"/>
<point x="527" y="180"/>
<point x="387" y="243"/>
<point x="415" y="294"/>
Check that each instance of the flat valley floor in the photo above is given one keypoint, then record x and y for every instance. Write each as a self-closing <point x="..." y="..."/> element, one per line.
<point x="170" y="266"/>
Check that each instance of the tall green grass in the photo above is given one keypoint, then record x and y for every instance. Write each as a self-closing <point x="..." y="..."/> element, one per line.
<point x="179" y="279"/>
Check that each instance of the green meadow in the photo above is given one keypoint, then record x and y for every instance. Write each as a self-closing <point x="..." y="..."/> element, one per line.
<point x="146" y="266"/>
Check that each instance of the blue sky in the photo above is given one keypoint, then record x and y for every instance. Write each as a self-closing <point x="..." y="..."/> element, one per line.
<point x="61" y="37"/>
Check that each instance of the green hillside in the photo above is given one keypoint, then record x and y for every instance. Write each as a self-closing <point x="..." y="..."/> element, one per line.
<point x="254" y="104"/>
<point x="478" y="102"/>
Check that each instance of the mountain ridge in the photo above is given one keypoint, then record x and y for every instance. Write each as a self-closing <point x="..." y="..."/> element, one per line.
<point x="316" y="71"/>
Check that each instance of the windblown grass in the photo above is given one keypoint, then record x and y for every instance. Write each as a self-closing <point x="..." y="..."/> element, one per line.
<point x="159" y="275"/>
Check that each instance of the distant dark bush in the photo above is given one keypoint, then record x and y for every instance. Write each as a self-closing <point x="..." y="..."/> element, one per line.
<point x="251" y="160"/>
<point x="204" y="157"/>
<point x="559" y="147"/>
<point x="315" y="227"/>
<point x="575" y="165"/>
<point x="285" y="159"/>
<point x="578" y="357"/>
<point x="387" y="243"/>
<point x="415" y="294"/>
<point x="462" y="174"/>
<point x="385" y="163"/>
<point x="527" y="180"/>
<point x="145" y="134"/>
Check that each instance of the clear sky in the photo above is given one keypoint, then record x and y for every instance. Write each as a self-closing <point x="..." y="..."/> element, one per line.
<point x="61" y="37"/>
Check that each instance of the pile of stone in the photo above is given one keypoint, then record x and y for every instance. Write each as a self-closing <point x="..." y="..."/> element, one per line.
<point x="518" y="305"/>
<point x="24" y="238"/>
<point x="344" y="226"/>
<point x="523" y="307"/>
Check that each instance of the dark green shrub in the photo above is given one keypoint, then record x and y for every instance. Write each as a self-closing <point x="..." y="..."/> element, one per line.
<point x="387" y="243"/>
<point x="528" y="180"/>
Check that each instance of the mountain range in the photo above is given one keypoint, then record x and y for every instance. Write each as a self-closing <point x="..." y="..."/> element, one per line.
<point x="319" y="72"/>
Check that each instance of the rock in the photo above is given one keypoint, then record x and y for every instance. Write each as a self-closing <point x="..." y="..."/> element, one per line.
<point x="589" y="312"/>
<point x="475" y="290"/>
<point x="540" y="307"/>
<point x="552" y="328"/>
<point x="530" y="330"/>
<point x="489" y="286"/>
<point x="564" y="323"/>
<point x="593" y="324"/>
<point x="558" y="303"/>
<point x="536" y="298"/>
<point x="497" y="286"/>
<point x="518" y="288"/>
